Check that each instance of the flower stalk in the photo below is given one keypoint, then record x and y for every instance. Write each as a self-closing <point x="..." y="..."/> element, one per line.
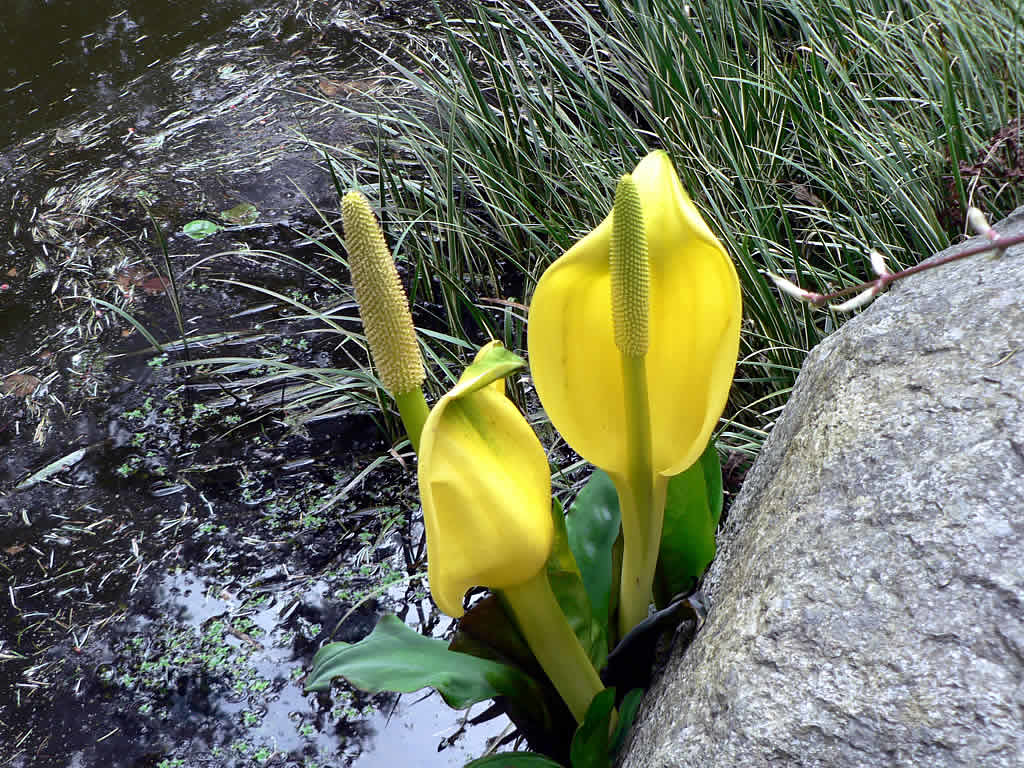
<point x="630" y="282"/>
<point x="633" y="336"/>
<point x="540" y="619"/>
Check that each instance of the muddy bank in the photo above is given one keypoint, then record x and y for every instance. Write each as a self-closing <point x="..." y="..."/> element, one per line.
<point x="175" y="542"/>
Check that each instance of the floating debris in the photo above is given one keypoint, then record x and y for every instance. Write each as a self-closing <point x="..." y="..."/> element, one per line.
<point x="200" y="229"/>
<point x="51" y="469"/>
<point x="20" y="384"/>
<point x="243" y="213"/>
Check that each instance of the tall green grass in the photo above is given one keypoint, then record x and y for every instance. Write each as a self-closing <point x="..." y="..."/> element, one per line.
<point x="808" y="133"/>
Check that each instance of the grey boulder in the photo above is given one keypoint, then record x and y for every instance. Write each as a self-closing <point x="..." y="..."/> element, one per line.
<point x="866" y="601"/>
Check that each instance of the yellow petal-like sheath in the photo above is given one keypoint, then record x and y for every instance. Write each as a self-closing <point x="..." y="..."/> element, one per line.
<point x="486" y="491"/>
<point x="694" y="324"/>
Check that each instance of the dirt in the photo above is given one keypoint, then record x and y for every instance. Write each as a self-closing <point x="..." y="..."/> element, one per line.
<point x="177" y="538"/>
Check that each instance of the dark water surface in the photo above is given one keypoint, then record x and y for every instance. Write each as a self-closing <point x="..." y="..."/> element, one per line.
<point x="164" y="590"/>
<point x="60" y="56"/>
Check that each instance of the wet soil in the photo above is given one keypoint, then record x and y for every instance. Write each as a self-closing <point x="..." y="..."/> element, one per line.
<point x="181" y="528"/>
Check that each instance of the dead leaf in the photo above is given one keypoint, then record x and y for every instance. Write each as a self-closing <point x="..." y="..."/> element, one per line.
<point x="329" y="87"/>
<point x="14" y="549"/>
<point x="156" y="284"/>
<point x="805" y="194"/>
<point x="12" y="272"/>
<point x="20" y="384"/>
<point x="337" y="87"/>
<point x="149" y="282"/>
<point x="129" y="278"/>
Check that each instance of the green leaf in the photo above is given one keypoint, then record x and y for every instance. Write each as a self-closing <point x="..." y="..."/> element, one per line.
<point x="590" y="744"/>
<point x="593" y="525"/>
<point x="395" y="657"/>
<point x="243" y="213"/>
<point x="627" y="714"/>
<point x="514" y="760"/>
<point x="692" y="508"/>
<point x="712" y="467"/>
<point x="567" y="585"/>
<point x="200" y="228"/>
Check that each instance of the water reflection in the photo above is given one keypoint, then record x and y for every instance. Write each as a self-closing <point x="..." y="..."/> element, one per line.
<point x="220" y="666"/>
<point x="186" y="646"/>
<point x="61" y="56"/>
<point x="209" y="665"/>
<point x="354" y="730"/>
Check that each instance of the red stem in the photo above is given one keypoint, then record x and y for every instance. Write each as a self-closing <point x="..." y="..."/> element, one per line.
<point x="996" y="243"/>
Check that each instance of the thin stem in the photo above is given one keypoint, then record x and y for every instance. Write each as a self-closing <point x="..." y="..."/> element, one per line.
<point x="553" y="642"/>
<point x="996" y="243"/>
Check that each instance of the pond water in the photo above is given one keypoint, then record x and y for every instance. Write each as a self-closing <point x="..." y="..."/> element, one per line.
<point x="61" y="56"/>
<point x="165" y="586"/>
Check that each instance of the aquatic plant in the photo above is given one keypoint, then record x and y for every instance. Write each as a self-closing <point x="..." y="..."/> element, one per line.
<point x="641" y="315"/>
<point x="633" y="336"/>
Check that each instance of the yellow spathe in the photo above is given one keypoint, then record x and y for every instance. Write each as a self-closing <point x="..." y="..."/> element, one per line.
<point x="485" y="486"/>
<point x="693" y="326"/>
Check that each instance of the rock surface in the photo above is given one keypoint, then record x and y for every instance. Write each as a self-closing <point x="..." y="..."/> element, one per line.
<point x="866" y="602"/>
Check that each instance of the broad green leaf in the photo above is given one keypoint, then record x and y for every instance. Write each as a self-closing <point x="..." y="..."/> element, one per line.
<point x="571" y="593"/>
<point x="590" y="744"/>
<point x="513" y="760"/>
<point x="200" y="228"/>
<point x="395" y="657"/>
<point x="692" y="508"/>
<point x="592" y="525"/>
<point x="627" y="714"/>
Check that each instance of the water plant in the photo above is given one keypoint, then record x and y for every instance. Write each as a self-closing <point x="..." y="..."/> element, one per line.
<point x="484" y="478"/>
<point x="660" y="363"/>
<point x="648" y="296"/>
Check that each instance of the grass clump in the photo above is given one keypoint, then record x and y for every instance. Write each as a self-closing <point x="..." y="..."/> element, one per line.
<point x="808" y="133"/>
